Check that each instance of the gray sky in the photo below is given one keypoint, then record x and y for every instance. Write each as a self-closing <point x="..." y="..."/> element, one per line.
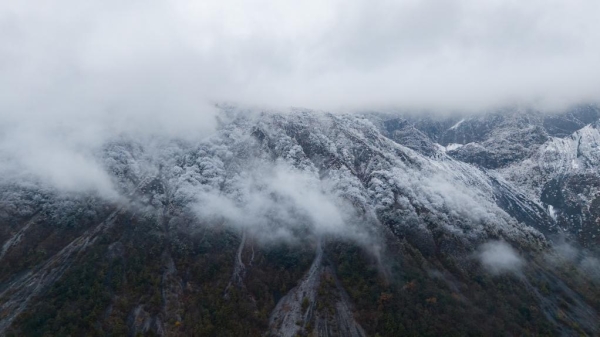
<point x="142" y="57"/>
<point x="74" y="73"/>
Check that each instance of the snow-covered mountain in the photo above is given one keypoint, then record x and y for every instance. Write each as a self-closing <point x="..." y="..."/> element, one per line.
<point x="551" y="158"/>
<point x="316" y="223"/>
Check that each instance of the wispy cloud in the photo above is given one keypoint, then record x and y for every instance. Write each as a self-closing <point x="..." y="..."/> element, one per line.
<point x="499" y="257"/>
<point x="276" y="202"/>
<point x="74" y="74"/>
<point x="166" y="55"/>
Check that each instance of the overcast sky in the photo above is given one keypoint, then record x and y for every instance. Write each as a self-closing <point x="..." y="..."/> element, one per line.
<point x="74" y="73"/>
<point x="140" y="57"/>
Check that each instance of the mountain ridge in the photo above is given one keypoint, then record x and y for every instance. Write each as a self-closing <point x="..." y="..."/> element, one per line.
<point x="318" y="223"/>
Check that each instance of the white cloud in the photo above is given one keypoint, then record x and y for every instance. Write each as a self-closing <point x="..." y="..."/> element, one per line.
<point x="499" y="257"/>
<point x="277" y="201"/>
<point x="97" y="69"/>
<point x="327" y="54"/>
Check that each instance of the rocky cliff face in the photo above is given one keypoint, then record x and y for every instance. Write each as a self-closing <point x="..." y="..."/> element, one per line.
<point x="313" y="223"/>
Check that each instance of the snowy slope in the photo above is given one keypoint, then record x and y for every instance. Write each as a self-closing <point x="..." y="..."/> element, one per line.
<point x="442" y="187"/>
<point x="564" y="174"/>
<point x="549" y="159"/>
<point x="347" y="160"/>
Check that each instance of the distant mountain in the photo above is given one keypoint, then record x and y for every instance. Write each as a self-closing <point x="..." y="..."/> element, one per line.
<point x="318" y="224"/>
<point x="551" y="158"/>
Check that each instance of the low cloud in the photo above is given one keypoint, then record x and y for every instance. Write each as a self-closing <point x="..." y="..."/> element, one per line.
<point x="499" y="257"/>
<point x="278" y="202"/>
<point x="75" y="74"/>
<point x="565" y="253"/>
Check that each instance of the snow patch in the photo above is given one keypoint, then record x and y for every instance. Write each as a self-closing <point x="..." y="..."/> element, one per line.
<point x="455" y="126"/>
<point x="552" y="212"/>
<point x="574" y="164"/>
<point x="453" y="146"/>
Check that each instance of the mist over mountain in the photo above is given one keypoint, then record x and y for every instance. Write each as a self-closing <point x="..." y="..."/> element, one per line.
<point x="316" y="168"/>
<point x="311" y="222"/>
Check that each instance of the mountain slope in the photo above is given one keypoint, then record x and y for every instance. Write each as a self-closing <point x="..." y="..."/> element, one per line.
<point x="309" y="222"/>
